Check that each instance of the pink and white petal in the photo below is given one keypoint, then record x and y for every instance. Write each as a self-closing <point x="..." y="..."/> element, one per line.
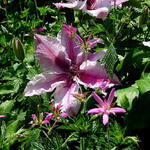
<point x="99" y="13"/>
<point x="117" y="110"/>
<point x="64" y="94"/>
<point x="98" y="99"/>
<point x="111" y="96"/>
<point x="81" y="57"/>
<point x="72" y="4"/>
<point x="96" y="56"/>
<point x="96" y="111"/>
<point x="43" y="83"/>
<point x="69" y="41"/>
<point x="105" y="119"/>
<point x="93" y="42"/>
<point x="103" y="3"/>
<point x="92" y="74"/>
<point x="51" y="54"/>
<point x="118" y="2"/>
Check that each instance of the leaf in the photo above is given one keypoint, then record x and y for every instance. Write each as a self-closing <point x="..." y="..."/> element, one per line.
<point x="109" y="60"/>
<point x="126" y="96"/>
<point x="134" y="3"/>
<point x="12" y="128"/>
<point x="6" y="106"/>
<point x="143" y="85"/>
<point x="21" y="116"/>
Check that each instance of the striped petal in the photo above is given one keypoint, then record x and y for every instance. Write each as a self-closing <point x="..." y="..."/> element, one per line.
<point x="43" y="83"/>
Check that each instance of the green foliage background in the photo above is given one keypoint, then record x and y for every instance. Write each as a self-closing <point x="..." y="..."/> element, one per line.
<point x="123" y="33"/>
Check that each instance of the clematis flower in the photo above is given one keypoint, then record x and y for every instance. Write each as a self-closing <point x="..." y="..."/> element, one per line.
<point x="65" y="68"/>
<point x="106" y="107"/>
<point x="96" y="8"/>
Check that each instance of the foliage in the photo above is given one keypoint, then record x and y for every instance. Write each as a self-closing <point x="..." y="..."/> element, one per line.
<point x="123" y="34"/>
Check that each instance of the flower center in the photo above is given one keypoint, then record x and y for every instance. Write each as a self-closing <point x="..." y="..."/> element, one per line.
<point x="74" y="71"/>
<point x="90" y="4"/>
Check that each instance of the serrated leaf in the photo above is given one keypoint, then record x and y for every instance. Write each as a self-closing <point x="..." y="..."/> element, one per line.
<point x="6" y="106"/>
<point x="109" y="60"/>
<point x="12" y="128"/>
<point x="21" y="116"/>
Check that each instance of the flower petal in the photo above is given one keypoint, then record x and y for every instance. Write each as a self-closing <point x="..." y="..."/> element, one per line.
<point x="96" y="111"/>
<point x="64" y="94"/>
<point x="2" y="116"/>
<point x="69" y="41"/>
<point x="92" y="74"/>
<point x="105" y="119"/>
<point x="72" y="4"/>
<point x="48" y="118"/>
<point x="51" y="54"/>
<point x="111" y="96"/>
<point x="98" y="99"/>
<point x="99" y="13"/>
<point x="64" y="115"/>
<point x="118" y="2"/>
<point x="43" y="83"/>
<point x="96" y="56"/>
<point x="84" y="56"/>
<point x="117" y="110"/>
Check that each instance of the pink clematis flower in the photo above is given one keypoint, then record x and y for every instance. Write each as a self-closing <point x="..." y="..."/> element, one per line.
<point x="106" y="107"/>
<point x="65" y="68"/>
<point x="96" y="8"/>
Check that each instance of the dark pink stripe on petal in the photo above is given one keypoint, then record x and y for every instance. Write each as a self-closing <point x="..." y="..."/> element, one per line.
<point x="51" y="54"/>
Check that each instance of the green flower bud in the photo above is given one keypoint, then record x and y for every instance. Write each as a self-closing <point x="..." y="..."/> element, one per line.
<point x="143" y="17"/>
<point x="18" y="49"/>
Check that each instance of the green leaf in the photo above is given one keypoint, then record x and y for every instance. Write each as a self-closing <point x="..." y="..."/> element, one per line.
<point x="126" y="96"/>
<point x="12" y="128"/>
<point x="143" y="85"/>
<point x="134" y="3"/>
<point x="6" y="106"/>
<point x="21" y="116"/>
<point x="109" y="60"/>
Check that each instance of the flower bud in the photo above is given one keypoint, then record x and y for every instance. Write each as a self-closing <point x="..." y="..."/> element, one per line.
<point x="143" y="17"/>
<point x="18" y="49"/>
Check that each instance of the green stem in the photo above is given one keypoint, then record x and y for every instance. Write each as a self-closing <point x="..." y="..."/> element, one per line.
<point x="36" y="8"/>
<point x="82" y="143"/>
<point x="47" y="136"/>
<point x="52" y="127"/>
<point x="108" y="137"/>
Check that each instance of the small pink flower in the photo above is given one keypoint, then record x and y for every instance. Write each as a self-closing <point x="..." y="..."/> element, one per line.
<point x="2" y="116"/>
<point x="56" y="114"/>
<point x="106" y="107"/>
<point x="37" y="120"/>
